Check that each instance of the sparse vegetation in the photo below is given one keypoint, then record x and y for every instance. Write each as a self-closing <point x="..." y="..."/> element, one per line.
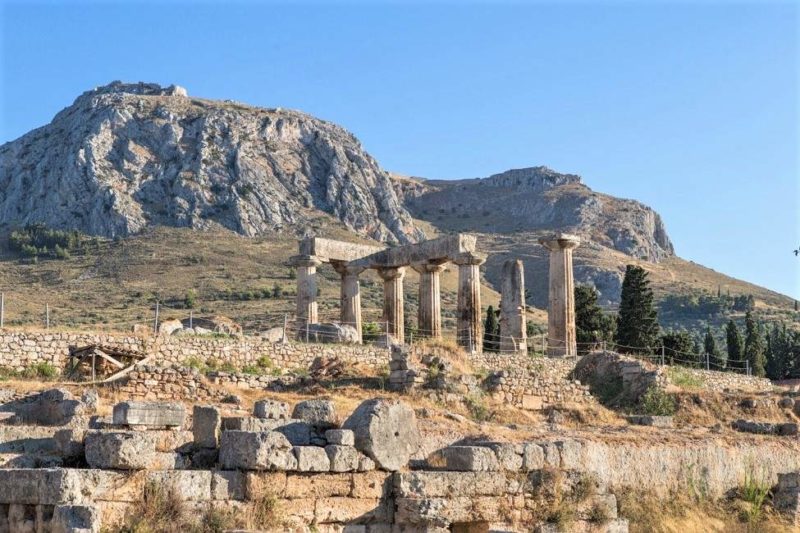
<point x="657" y="402"/>
<point x="682" y="377"/>
<point x="37" y="240"/>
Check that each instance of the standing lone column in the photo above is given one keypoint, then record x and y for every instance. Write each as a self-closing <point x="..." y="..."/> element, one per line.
<point x="306" y="266"/>
<point x="469" y="332"/>
<point x="561" y="310"/>
<point x="350" y="292"/>
<point x="429" y="312"/>
<point x="513" y="331"/>
<point x="393" y="301"/>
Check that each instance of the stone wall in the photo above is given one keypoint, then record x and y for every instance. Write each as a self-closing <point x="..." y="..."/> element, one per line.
<point x="20" y="350"/>
<point x="721" y="381"/>
<point x="542" y="383"/>
<point x="152" y="382"/>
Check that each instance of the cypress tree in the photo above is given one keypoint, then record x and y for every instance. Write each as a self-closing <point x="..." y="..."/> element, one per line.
<point x="714" y="356"/>
<point x="592" y="325"/>
<point x="754" y="346"/>
<point x="491" y="332"/>
<point x="733" y="341"/>
<point x="637" y="324"/>
<point x="678" y="345"/>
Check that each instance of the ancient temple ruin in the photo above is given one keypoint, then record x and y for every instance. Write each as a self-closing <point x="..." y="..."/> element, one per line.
<point x="428" y="258"/>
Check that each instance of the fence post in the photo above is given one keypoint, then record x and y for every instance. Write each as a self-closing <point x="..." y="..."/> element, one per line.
<point x="544" y="345"/>
<point x="2" y="309"/>
<point x="47" y="316"/>
<point x="469" y="341"/>
<point x="708" y="365"/>
<point x="306" y="331"/>
<point x="747" y="366"/>
<point x="191" y="319"/>
<point x="285" y="323"/>
<point x="662" y="355"/>
<point x="155" y="321"/>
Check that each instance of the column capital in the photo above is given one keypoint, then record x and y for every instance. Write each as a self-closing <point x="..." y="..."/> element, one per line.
<point x="389" y="273"/>
<point x="470" y="258"/>
<point x="305" y="261"/>
<point x="347" y="269"/>
<point x="429" y="266"/>
<point x="560" y="241"/>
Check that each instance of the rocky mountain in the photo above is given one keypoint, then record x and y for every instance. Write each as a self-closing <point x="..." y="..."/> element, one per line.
<point x="539" y="198"/>
<point x="127" y="156"/>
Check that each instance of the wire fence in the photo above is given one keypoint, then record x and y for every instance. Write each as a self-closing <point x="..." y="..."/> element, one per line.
<point x="293" y="328"/>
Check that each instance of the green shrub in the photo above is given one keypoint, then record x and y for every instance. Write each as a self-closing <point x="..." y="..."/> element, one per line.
<point x="42" y="370"/>
<point x="656" y="402"/>
<point x="476" y="405"/>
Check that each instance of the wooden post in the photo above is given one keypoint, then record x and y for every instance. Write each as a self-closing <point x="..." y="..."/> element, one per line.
<point x="747" y="366"/>
<point x="93" y="365"/>
<point x="47" y="316"/>
<point x="155" y="321"/>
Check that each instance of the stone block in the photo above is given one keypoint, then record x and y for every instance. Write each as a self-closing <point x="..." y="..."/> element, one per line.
<point x="259" y="483"/>
<point x="228" y="485"/>
<point x="245" y="450"/>
<point x="650" y="420"/>
<point x="247" y="423"/>
<point x="470" y="459"/>
<point x="385" y="431"/>
<point x="298" y="432"/>
<point x="119" y="450"/>
<point x="343" y="510"/>
<point x="372" y="485"/>
<point x="70" y="443"/>
<point x="507" y="455"/>
<point x="342" y="458"/>
<point x="187" y="485"/>
<point x="206" y="426"/>
<point x="571" y="454"/>
<point x="319" y="486"/>
<point x="344" y="437"/>
<point x="532" y="457"/>
<point x="271" y="409"/>
<point x="318" y="412"/>
<point x="787" y="429"/>
<point x="75" y="519"/>
<point x="312" y="459"/>
<point x="149" y="414"/>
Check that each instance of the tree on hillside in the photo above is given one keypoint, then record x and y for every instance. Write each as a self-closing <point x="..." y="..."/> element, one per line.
<point x="733" y="341"/>
<point x="678" y="345"/>
<point x="491" y="332"/>
<point x="716" y="360"/>
<point x="592" y="325"/>
<point x="637" y="323"/>
<point x="754" y="346"/>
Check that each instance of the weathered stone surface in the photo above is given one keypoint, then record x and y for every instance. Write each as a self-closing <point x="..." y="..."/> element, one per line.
<point x="532" y="457"/>
<point x="228" y="485"/>
<point x="329" y="332"/>
<point x="342" y="458"/>
<point x="345" y="437"/>
<point x="318" y="412"/>
<point x="298" y="432"/>
<point x="256" y="451"/>
<point x="154" y="414"/>
<point x="187" y="485"/>
<point x="206" y="426"/>
<point x="650" y="420"/>
<point x="386" y="431"/>
<point x="329" y="485"/>
<point x="312" y="459"/>
<point x="561" y="300"/>
<point x="75" y="519"/>
<point x="52" y="407"/>
<point x="123" y="450"/>
<point x="345" y="510"/>
<point x="470" y="459"/>
<point x="271" y="409"/>
<point x="509" y="456"/>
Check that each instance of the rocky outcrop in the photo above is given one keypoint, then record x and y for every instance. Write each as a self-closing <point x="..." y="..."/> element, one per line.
<point x="539" y="198"/>
<point x="127" y="156"/>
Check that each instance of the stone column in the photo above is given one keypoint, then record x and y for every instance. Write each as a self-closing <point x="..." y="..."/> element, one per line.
<point x="350" y="295"/>
<point x="469" y="330"/>
<point x="393" y="301"/>
<point x="561" y="309"/>
<point x="513" y="333"/>
<point x="306" y="266"/>
<point x="429" y="312"/>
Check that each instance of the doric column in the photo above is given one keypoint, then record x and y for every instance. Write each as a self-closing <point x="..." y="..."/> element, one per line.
<point x="429" y="312"/>
<point x="561" y="310"/>
<point x="306" y="266"/>
<point x="393" y="300"/>
<point x="469" y="301"/>
<point x="513" y="334"/>
<point x="350" y="295"/>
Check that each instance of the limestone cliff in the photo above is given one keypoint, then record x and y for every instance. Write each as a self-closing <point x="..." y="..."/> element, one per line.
<point x="538" y="198"/>
<point x="127" y="156"/>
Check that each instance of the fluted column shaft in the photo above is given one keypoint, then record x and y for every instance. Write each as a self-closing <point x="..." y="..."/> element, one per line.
<point x="513" y="330"/>
<point x="469" y="301"/>
<point x="393" y="301"/>
<point x="350" y="292"/>
<point x="561" y="309"/>
<point x="429" y="312"/>
<point x="306" y="299"/>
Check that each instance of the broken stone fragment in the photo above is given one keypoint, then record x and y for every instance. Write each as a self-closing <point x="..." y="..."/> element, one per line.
<point x="345" y="437"/>
<point x="271" y="409"/>
<point x="152" y="414"/>
<point x="320" y="413"/>
<point x="385" y="431"/>
<point x="243" y="450"/>
<point x="206" y="426"/>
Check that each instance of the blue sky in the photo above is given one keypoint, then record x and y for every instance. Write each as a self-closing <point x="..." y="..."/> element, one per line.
<point x="691" y="108"/>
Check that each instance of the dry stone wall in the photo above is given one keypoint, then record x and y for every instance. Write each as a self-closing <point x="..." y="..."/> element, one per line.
<point x="20" y="350"/>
